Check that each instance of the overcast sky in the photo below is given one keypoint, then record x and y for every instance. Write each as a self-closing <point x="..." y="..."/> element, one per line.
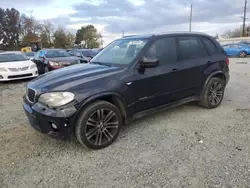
<point x="110" y="17"/>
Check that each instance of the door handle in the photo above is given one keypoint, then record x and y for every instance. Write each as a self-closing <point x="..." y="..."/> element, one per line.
<point x="175" y="70"/>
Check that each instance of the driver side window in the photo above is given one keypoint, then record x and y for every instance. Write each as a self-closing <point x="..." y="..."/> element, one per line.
<point x="164" y="49"/>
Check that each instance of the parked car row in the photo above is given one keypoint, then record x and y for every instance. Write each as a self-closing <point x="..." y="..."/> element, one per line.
<point x="20" y="65"/>
<point x="241" y="49"/>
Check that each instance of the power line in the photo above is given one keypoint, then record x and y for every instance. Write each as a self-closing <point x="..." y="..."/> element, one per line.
<point x="244" y="19"/>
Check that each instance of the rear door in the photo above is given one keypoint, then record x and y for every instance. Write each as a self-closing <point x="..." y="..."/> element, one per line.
<point x="234" y="49"/>
<point x="192" y="60"/>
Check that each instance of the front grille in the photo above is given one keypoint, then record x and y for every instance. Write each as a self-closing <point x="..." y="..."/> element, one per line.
<point x="31" y="94"/>
<point x="20" y="76"/>
<point x="13" y="69"/>
<point x="19" y="69"/>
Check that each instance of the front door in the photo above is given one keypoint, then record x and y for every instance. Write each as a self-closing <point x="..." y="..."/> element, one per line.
<point x="156" y="86"/>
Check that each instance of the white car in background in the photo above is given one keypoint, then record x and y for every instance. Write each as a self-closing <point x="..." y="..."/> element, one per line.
<point x="15" y="65"/>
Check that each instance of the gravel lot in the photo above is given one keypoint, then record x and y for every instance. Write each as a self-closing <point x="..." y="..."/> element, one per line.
<point x="187" y="146"/>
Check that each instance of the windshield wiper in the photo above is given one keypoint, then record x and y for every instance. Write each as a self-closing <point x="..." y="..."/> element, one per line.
<point x="99" y="63"/>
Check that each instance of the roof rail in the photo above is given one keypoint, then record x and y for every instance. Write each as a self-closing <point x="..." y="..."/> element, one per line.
<point x="184" y="32"/>
<point x="129" y="36"/>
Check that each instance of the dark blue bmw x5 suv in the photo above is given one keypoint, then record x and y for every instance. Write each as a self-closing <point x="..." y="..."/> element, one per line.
<point x="130" y="78"/>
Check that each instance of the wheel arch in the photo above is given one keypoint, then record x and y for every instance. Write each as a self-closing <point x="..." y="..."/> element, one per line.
<point x="112" y="97"/>
<point x="217" y="74"/>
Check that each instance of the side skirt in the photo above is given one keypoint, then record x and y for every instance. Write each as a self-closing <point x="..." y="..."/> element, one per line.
<point x="165" y="106"/>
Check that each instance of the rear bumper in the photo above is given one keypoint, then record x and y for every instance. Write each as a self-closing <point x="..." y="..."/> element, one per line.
<point x="41" y="119"/>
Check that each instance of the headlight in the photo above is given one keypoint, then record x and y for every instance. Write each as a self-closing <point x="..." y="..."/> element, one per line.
<point x="3" y="70"/>
<point x="56" y="99"/>
<point x="52" y="63"/>
<point x="33" y="66"/>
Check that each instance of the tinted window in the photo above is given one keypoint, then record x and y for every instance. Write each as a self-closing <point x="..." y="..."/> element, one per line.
<point x="164" y="50"/>
<point x="226" y="46"/>
<point x="209" y="45"/>
<point x="191" y="48"/>
<point x="56" y="53"/>
<point x="234" y="46"/>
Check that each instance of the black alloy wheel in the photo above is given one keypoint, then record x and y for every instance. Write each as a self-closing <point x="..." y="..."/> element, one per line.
<point x="99" y="125"/>
<point x="213" y="93"/>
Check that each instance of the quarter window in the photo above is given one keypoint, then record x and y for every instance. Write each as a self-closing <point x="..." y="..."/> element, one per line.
<point x="191" y="48"/>
<point x="209" y="45"/>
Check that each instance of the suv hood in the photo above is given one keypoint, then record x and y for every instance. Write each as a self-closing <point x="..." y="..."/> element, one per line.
<point x="72" y="76"/>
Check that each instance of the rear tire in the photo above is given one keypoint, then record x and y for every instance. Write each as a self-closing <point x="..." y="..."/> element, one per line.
<point x="213" y="93"/>
<point x="242" y="54"/>
<point x="98" y="125"/>
<point x="46" y="69"/>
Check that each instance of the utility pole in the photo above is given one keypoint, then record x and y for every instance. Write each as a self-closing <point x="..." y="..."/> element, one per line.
<point x="190" y="21"/>
<point x="244" y="19"/>
<point x="122" y="33"/>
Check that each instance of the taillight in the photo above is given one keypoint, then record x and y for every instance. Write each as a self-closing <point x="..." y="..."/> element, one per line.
<point x="227" y="61"/>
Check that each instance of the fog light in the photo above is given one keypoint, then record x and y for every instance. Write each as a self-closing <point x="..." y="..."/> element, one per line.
<point x="53" y="126"/>
<point x="1" y="77"/>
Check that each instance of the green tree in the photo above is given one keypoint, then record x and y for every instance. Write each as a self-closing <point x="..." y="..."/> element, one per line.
<point x="9" y="28"/>
<point x="46" y="34"/>
<point x="88" y="37"/>
<point x="31" y="29"/>
<point x="63" y="39"/>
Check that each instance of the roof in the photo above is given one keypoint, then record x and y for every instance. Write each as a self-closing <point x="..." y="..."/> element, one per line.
<point x="165" y="33"/>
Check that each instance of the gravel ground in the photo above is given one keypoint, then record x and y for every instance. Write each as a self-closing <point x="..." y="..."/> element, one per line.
<point x="187" y="146"/>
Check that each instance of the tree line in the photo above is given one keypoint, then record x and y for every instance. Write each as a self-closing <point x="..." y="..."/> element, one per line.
<point x="236" y="32"/>
<point x="19" y="30"/>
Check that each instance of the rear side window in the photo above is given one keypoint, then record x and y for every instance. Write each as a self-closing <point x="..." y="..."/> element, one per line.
<point x="209" y="45"/>
<point x="234" y="46"/>
<point x="191" y="48"/>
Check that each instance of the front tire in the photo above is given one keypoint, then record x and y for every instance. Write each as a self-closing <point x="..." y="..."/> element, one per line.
<point x="98" y="125"/>
<point x="213" y="94"/>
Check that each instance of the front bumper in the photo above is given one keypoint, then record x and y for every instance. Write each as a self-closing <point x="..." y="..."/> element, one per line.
<point x="7" y="76"/>
<point x="41" y="118"/>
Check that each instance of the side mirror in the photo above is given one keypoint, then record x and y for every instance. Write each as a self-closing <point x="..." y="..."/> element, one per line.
<point x="149" y="62"/>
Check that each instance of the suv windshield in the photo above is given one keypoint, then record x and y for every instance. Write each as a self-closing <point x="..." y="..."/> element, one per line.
<point x="56" y="53"/>
<point x="29" y="54"/>
<point x="12" y="57"/>
<point x="120" y="52"/>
